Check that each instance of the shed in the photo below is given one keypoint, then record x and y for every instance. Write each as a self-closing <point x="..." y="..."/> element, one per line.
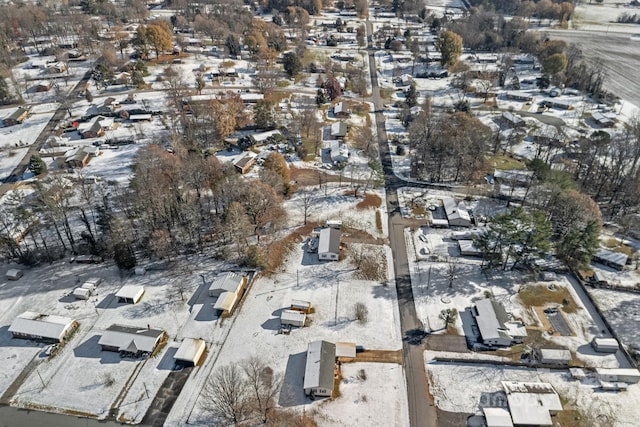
<point x="245" y="162"/>
<point x="92" y="283"/>
<point x="292" y="318"/>
<point x="497" y="417"/>
<point x="130" y="340"/>
<point x="82" y="293"/>
<point x="42" y="327"/>
<point x="552" y="356"/>
<point x="227" y="282"/>
<point x="130" y="294"/>
<point x="319" y="369"/>
<point x="345" y="351"/>
<point x="626" y="375"/>
<point x="611" y="259"/>
<point x="329" y="244"/>
<point x="190" y="352"/>
<point x="302" y="306"/>
<point x="225" y="302"/>
<point x="14" y="274"/>
<point x="605" y="345"/>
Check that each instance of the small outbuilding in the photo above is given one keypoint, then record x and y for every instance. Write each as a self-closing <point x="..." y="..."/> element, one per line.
<point x="345" y="351"/>
<point x="292" y="318"/>
<point x="497" y="417"/>
<point x="319" y="369"/>
<point x="302" y="306"/>
<point x="227" y="282"/>
<point x="605" y="345"/>
<point x="552" y="356"/>
<point x="190" y="352"/>
<point x="82" y="293"/>
<point x="245" y="162"/>
<point x="14" y="274"/>
<point x="468" y="248"/>
<point x="611" y="259"/>
<point x="625" y="375"/>
<point x="329" y="244"/>
<point x="42" y="327"/>
<point x="226" y="302"/>
<point x="130" y="294"/>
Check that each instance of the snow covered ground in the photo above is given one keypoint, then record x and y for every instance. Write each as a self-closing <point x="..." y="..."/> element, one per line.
<point x="622" y="310"/>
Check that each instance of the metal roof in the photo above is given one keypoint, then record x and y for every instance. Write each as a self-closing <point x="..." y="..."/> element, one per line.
<point x="229" y="282"/>
<point x="190" y="349"/>
<point x="530" y="403"/>
<point x="130" y="292"/>
<point x="487" y="319"/>
<point x="615" y="258"/>
<point x="321" y="359"/>
<point x="225" y="301"/>
<point x="453" y="211"/>
<point x="497" y="417"/>
<point x="292" y="316"/>
<point x="41" y="325"/>
<point x="329" y="241"/>
<point x="128" y="338"/>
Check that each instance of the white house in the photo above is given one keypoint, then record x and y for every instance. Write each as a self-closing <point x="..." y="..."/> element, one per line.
<point x="495" y="326"/>
<point x="42" y="327"/>
<point x="457" y="217"/>
<point x="130" y="294"/>
<point x="190" y="352"/>
<point x="131" y="340"/>
<point x="625" y="375"/>
<point x="531" y="404"/>
<point x="329" y="244"/>
<point x="553" y="356"/>
<point x="319" y="368"/>
<point x="292" y="318"/>
<point x="227" y="282"/>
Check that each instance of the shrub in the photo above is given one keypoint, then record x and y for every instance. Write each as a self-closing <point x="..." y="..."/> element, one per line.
<point x="361" y="312"/>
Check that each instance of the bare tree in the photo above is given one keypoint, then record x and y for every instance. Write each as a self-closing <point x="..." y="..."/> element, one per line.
<point x="307" y="204"/>
<point x="225" y="394"/>
<point x="263" y="386"/>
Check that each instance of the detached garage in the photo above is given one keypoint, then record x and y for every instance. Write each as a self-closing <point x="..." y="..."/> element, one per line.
<point x="130" y="294"/>
<point x="190" y="352"/>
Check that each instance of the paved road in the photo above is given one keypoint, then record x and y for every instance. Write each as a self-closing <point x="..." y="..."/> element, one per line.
<point x="422" y="413"/>
<point x="13" y="417"/>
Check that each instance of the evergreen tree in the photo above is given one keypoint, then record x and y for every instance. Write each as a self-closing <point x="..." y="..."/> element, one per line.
<point x="37" y="165"/>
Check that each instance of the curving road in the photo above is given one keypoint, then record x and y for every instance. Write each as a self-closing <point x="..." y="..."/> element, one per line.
<point x="422" y="412"/>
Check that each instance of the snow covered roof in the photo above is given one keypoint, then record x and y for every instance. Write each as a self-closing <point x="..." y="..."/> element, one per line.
<point x="615" y="258"/>
<point x="132" y="339"/>
<point x="338" y="129"/>
<point x="190" y="349"/>
<point x="555" y="354"/>
<point x="41" y="325"/>
<point x="493" y="321"/>
<point x="329" y="241"/>
<point x="453" y="211"/>
<point x="467" y="247"/>
<point x="228" y="282"/>
<point x="346" y="349"/>
<point x="292" y="316"/>
<point x="321" y="358"/>
<point x="225" y="301"/>
<point x="497" y="417"/>
<point x="530" y="403"/>
<point x="263" y="136"/>
<point x="130" y="292"/>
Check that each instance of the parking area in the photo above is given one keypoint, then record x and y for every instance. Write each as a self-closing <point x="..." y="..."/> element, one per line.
<point x="558" y="323"/>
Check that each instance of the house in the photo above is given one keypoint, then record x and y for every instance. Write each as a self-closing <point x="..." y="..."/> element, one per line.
<point x="190" y="352"/>
<point x="605" y="345"/>
<point x="95" y="127"/>
<point x="227" y="282"/>
<point x="260" y="138"/>
<point x="602" y="120"/>
<point x="519" y="96"/>
<point x="611" y="259"/>
<point x="552" y="356"/>
<point x="329" y="244"/>
<point x="531" y="403"/>
<point x="17" y="117"/>
<point x="245" y="162"/>
<point x="338" y="130"/>
<point x="76" y="158"/>
<point x="226" y="302"/>
<point x="44" y="86"/>
<point x="14" y="274"/>
<point x="319" y="369"/>
<point x="468" y="248"/>
<point x="130" y="340"/>
<point x="292" y="318"/>
<point x="42" y="327"/>
<point x="625" y="375"/>
<point x="338" y="152"/>
<point x="497" y="417"/>
<point x="302" y="306"/>
<point x="548" y="135"/>
<point x="557" y="103"/>
<point x="510" y="120"/>
<point x="251" y="98"/>
<point x="340" y="110"/>
<point x="457" y="217"/>
<point x="56" y="68"/>
<point x="130" y="294"/>
<point x="495" y="326"/>
<point x="514" y="178"/>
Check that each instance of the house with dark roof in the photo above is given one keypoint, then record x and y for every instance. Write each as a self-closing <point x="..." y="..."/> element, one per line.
<point x="17" y="117"/>
<point x="319" y="369"/>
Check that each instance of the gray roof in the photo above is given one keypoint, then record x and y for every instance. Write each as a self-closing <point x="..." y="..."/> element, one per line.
<point x="190" y="349"/>
<point x="130" y="338"/>
<point x="321" y="359"/>
<point x="453" y="211"/>
<point x="292" y="316"/>
<point x="530" y="403"/>
<point x="228" y="282"/>
<point x="491" y="319"/>
<point x="611" y="257"/>
<point x="41" y="325"/>
<point x="329" y="241"/>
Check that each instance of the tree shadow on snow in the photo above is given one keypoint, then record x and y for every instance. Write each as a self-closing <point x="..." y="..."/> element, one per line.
<point x="292" y="391"/>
